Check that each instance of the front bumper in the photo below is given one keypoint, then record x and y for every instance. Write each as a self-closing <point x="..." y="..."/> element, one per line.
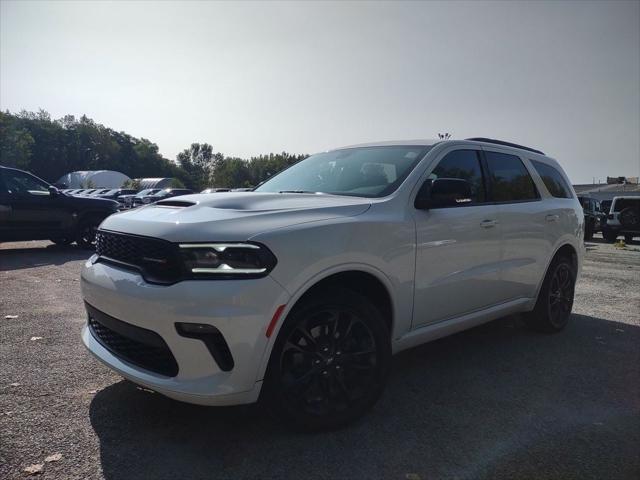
<point x="239" y="309"/>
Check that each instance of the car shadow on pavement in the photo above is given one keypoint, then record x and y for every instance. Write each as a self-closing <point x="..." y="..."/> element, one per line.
<point x="20" y="258"/>
<point x="497" y="401"/>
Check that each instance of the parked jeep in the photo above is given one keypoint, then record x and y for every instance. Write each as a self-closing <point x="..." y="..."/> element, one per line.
<point x="623" y="219"/>
<point x="593" y="217"/>
<point x="32" y="209"/>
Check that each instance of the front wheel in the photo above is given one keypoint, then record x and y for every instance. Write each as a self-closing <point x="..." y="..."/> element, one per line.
<point x="588" y="230"/>
<point x="555" y="300"/>
<point x="87" y="233"/>
<point x="330" y="361"/>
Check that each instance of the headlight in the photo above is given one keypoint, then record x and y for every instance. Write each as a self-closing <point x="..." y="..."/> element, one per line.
<point x="230" y="260"/>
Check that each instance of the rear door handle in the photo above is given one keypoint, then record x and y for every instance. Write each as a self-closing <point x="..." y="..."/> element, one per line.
<point x="488" y="223"/>
<point x="552" y="218"/>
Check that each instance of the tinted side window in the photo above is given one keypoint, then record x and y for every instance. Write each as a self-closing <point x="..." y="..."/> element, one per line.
<point x="510" y="180"/>
<point x="464" y="165"/>
<point x="24" y="184"/>
<point x="552" y="180"/>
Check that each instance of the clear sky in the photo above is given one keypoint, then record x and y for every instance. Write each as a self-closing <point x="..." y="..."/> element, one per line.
<point x="252" y="78"/>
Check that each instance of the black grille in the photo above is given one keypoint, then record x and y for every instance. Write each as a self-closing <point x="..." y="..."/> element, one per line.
<point x="136" y="345"/>
<point x="157" y="260"/>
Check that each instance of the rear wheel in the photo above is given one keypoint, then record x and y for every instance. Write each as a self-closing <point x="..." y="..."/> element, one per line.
<point x="330" y="361"/>
<point x="628" y="239"/>
<point x="588" y="230"/>
<point x="555" y="300"/>
<point x="609" y="236"/>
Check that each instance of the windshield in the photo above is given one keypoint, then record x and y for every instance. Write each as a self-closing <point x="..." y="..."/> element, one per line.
<point x="360" y="171"/>
<point x="147" y="191"/>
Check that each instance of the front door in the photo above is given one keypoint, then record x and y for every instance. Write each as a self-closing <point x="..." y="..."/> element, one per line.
<point x="32" y="213"/>
<point x="458" y="247"/>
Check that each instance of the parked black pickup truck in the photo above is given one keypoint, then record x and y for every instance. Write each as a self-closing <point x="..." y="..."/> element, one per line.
<point x="31" y="209"/>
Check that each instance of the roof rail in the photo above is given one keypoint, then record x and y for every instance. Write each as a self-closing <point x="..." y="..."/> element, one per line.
<point x="506" y="144"/>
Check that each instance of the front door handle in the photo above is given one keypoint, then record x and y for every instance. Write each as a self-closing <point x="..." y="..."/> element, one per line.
<point x="5" y="208"/>
<point x="552" y="218"/>
<point x="488" y="223"/>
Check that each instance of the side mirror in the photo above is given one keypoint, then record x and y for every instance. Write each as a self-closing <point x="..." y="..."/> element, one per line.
<point x="444" y="192"/>
<point x="53" y="191"/>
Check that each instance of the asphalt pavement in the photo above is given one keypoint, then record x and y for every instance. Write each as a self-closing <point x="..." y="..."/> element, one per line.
<point x="497" y="401"/>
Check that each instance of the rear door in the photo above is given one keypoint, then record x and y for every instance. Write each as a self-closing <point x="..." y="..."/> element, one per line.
<point x="525" y="221"/>
<point x="457" y="247"/>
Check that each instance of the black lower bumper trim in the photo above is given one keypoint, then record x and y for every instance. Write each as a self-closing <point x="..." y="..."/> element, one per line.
<point x="139" y="346"/>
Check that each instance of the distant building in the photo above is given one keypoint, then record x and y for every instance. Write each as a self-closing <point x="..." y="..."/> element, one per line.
<point x="93" y="179"/>
<point x="155" y="182"/>
<point x="615" y="187"/>
<point x="620" y="180"/>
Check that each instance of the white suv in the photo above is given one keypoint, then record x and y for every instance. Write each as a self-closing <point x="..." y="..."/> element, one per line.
<point x="300" y="291"/>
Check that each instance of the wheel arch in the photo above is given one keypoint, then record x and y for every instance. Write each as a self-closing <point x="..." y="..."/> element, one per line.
<point x="567" y="249"/>
<point x="368" y="281"/>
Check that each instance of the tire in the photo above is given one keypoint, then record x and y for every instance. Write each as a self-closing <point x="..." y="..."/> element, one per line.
<point x="63" y="242"/>
<point x="330" y="362"/>
<point x="86" y="235"/>
<point x="628" y="239"/>
<point x="630" y="218"/>
<point x="609" y="236"/>
<point x="588" y="230"/>
<point x="555" y="300"/>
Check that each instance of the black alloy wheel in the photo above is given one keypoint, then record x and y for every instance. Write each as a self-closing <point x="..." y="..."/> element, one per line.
<point x="330" y="361"/>
<point x="561" y="293"/>
<point x="555" y="299"/>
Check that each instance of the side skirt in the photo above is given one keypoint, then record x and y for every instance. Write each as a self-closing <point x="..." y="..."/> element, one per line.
<point x="427" y="333"/>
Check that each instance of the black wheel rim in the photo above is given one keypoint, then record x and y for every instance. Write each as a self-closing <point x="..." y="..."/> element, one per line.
<point x="561" y="295"/>
<point x="88" y="234"/>
<point x="329" y="362"/>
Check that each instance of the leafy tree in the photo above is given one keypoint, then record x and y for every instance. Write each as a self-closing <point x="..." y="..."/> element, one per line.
<point x="51" y="148"/>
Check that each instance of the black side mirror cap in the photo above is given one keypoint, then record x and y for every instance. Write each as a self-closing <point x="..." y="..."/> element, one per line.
<point x="444" y="192"/>
<point x="53" y="191"/>
<point x="423" y="198"/>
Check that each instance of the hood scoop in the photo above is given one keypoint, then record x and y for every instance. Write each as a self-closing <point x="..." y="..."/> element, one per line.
<point x="175" y="203"/>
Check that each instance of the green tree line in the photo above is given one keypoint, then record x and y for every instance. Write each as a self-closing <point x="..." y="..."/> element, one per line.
<point x="50" y="148"/>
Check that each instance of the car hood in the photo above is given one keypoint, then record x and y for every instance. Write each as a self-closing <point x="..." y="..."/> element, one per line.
<point x="231" y="216"/>
<point x="89" y="202"/>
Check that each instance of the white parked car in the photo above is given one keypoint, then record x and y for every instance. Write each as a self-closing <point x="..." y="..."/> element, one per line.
<point x="300" y="291"/>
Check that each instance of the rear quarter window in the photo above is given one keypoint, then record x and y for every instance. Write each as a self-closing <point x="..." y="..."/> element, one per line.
<point x="552" y="179"/>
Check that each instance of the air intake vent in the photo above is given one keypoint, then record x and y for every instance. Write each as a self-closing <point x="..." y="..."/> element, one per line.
<point x="174" y="203"/>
